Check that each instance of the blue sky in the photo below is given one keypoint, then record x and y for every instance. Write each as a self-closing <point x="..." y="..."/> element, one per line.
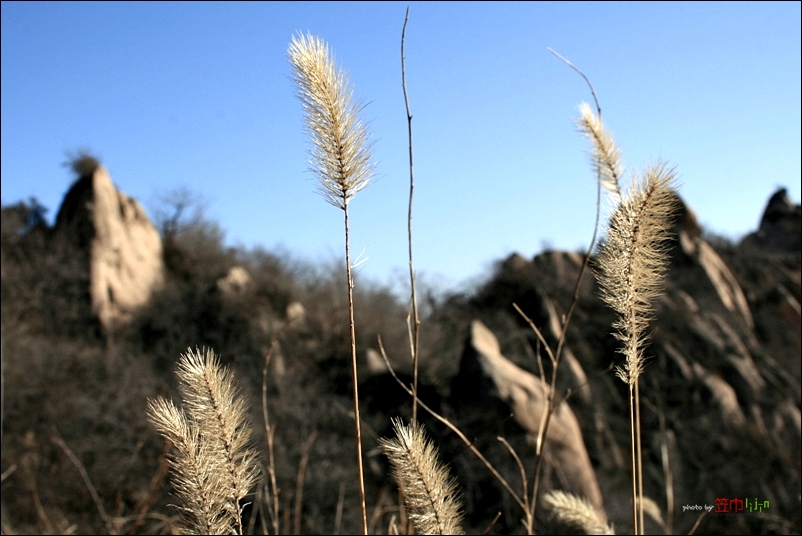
<point x="198" y="96"/>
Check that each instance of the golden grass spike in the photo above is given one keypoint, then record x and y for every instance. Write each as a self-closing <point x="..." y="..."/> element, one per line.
<point x="430" y="491"/>
<point x="605" y="155"/>
<point x="574" y="513"/>
<point x="341" y="149"/>
<point x="634" y="259"/>
<point x="215" y="467"/>
<point x="341" y="159"/>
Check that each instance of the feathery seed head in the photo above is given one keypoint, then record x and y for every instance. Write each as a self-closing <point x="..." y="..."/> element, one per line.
<point x="341" y="148"/>
<point x="214" y="465"/>
<point x="634" y="257"/>
<point x="605" y="155"/>
<point x="573" y="513"/>
<point x="430" y="492"/>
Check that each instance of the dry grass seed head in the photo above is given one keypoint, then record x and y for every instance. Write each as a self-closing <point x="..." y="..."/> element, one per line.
<point x="198" y="486"/>
<point x="430" y="491"/>
<point x="215" y="467"/>
<point x="341" y="148"/>
<point x="573" y="513"/>
<point x="634" y="258"/>
<point x="605" y="155"/>
<point x="212" y="400"/>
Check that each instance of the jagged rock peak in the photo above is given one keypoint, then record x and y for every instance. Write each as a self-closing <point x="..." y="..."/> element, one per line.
<point x="685" y="220"/>
<point x="780" y="227"/>
<point x="114" y="231"/>
<point x="779" y="206"/>
<point x="514" y="263"/>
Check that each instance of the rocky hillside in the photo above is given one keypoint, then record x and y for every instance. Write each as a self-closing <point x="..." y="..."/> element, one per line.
<point x="97" y="309"/>
<point x="722" y="384"/>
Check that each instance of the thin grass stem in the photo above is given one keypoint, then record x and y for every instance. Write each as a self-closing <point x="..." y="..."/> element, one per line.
<point x="640" y="455"/>
<point x="341" y="160"/>
<point x="355" y="375"/>
<point x="57" y="440"/>
<point x="414" y="322"/>
<point x="299" y="482"/>
<point x="272" y="507"/>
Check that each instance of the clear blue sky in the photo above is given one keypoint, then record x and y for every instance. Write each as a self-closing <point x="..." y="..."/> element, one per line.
<point x="199" y="96"/>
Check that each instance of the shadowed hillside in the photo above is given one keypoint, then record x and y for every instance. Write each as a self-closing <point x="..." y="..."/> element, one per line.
<point x="81" y="356"/>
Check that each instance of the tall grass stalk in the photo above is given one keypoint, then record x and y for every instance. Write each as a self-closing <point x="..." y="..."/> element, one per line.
<point x="413" y="320"/>
<point x="528" y="507"/>
<point x="271" y="494"/>
<point x="340" y="159"/>
<point x="606" y="179"/>
<point x="631" y="267"/>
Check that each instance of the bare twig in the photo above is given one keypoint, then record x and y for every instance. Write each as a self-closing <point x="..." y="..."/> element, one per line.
<point x="273" y="507"/>
<point x="8" y="472"/>
<point x="575" y="297"/>
<point x="544" y="422"/>
<point x="555" y="356"/>
<point x="155" y="485"/>
<point x="57" y="440"/>
<point x="257" y="501"/>
<point x="490" y="526"/>
<point x="299" y="483"/>
<point x="338" y="517"/>
<point x="414" y="322"/>
<point x="574" y="67"/>
<point x="698" y="522"/>
<point x="261" y="505"/>
<point x="524" y="484"/>
<point x="271" y="466"/>
<point x="454" y="429"/>
<point x="37" y="502"/>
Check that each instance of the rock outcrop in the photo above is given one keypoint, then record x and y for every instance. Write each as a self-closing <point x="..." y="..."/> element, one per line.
<point x="721" y="388"/>
<point x="123" y="246"/>
<point x="235" y="284"/>
<point x="486" y="374"/>
<point x="780" y="227"/>
<point x="696" y="255"/>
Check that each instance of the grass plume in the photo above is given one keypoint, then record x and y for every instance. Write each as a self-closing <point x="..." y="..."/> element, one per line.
<point x="341" y="160"/>
<point x="633" y="260"/>
<point x="631" y="266"/>
<point x="341" y="149"/>
<point x="214" y="466"/>
<point x="605" y="154"/>
<point x="574" y="514"/>
<point x="430" y="492"/>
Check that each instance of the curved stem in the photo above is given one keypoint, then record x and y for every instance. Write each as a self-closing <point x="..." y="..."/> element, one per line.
<point x="453" y="428"/>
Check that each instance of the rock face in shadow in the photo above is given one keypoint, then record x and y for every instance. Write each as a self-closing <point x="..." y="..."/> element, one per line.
<point x="721" y="389"/>
<point x="720" y="393"/>
<point x="486" y="376"/>
<point x="123" y="246"/>
<point x="698" y="256"/>
<point x="780" y="227"/>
